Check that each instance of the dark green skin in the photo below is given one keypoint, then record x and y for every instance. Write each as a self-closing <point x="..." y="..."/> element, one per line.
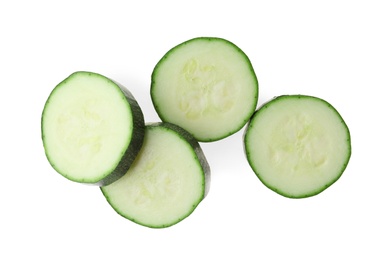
<point x="251" y="70"/>
<point x="316" y="191"/>
<point x="199" y="156"/>
<point x="135" y="143"/>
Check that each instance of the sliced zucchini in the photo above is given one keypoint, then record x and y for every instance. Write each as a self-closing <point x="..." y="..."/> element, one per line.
<point x="167" y="181"/>
<point x="92" y="128"/>
<point x="297" y="145"/>
<point x="207" y="86"/>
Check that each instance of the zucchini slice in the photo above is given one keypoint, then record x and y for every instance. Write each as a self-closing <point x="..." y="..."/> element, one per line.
<point x="205" y="85"/>
<point x="297" y="145"/>
<point x="92" y="128"/>
<point x="167" y="181"/>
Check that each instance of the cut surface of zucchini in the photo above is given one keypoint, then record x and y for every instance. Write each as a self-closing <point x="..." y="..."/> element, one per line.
<point x="207" y="86"/>
<point x="167" y="181"/>
<point x="92" y="128"/>
<point x="297" y="145"/>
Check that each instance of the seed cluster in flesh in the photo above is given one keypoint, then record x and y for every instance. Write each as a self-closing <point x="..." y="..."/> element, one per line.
<point x="202" y="90"/>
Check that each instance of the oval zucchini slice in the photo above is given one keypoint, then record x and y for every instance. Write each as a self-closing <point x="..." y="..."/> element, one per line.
<point x="92" y="128"/>
<point x="167" y="181"/>
<point x="207" y="86"/>
<point x="297" y="145"/>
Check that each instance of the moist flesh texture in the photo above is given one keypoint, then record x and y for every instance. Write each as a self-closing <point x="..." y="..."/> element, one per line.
<point x="166" y="182"/>
<point x="88" y="124"/>
<point x="207" y="86"/>
<point x="297" y="145"/>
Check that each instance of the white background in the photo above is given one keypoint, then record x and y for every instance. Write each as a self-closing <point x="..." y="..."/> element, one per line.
<point x="340" y="51"/>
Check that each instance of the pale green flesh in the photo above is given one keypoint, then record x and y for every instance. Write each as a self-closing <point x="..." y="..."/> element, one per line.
<point x="164" y="184"/>
<point x="87" y="126"/>
<point x="207" y="87"/>
<point x="298" y="146"/>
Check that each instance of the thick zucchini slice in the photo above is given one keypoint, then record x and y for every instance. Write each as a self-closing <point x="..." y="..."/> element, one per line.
<point x="207" y="86"/>
<point x="92" y="128"/>
<point x="167" y="181"/>
<point x="297" y="145"/>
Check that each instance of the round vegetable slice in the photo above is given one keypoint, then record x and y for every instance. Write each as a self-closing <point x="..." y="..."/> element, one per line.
<point x="92" y="128"/>
<point x="167" y="181"/>
<point x="207" y="86"/>
<point x="297" y="145"/>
